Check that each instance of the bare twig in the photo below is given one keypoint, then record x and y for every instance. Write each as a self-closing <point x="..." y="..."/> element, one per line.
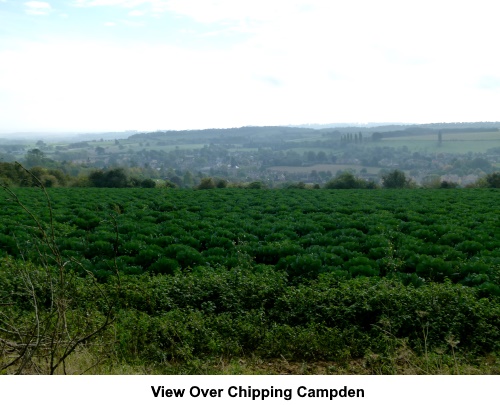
<point x="51" y="335"/>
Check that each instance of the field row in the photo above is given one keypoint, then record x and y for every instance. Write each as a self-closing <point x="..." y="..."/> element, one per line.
<point x="418" y="235"/>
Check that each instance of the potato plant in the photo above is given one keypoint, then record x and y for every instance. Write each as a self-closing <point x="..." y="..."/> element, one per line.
<point x="295" y="274"/>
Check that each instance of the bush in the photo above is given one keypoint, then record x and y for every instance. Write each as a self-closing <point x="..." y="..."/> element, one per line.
<point x="164" y="265"/>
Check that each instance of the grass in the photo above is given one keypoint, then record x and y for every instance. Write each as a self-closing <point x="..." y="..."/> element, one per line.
<point x="402" y="361"/>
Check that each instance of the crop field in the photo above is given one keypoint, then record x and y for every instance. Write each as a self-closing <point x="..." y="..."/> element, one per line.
<point x="294" y="274"/>
<point x="424" y="235"/>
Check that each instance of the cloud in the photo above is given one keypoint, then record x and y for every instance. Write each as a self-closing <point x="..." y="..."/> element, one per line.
<point x="332" y="61"/>
<point x="136" y="13"/>
<point x="270" y="80"/>
<point x="37" y="8"/>
<point x="154" y="7"/>
<point x="489" y="82"/>
<point x="93" y="3"/>
<point x="212" y="11"/>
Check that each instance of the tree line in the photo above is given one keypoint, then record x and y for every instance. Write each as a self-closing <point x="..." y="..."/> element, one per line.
<point x="16" y="175"/>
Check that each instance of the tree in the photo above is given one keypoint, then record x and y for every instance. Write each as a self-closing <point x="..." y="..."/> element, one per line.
<point x="115" y="178"/>
<point x="493" y="180"/>
<point x="221" y="183"/>
<point x="100" y="150"/>
<point x="321" y="157"/>
<point x="34" y="157"/>
<point x="148" y="183"/>
<point x="345" y="180"/>
<point x="256" y="185"/>
<point x="188" y="179"/>
<point x="169" y="184"/>
<point x="175" y="179"/>
<point x="448" y="184"/>
<point x="395" y="179"/>
<point x="310" y="156"/>
<point x="206" y="183"/>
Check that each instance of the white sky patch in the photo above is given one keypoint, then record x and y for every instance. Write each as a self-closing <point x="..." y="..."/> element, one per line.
<point x="120" y="3"/>
<point x="37" y="7"/>
<point x="211" y="11"/>
<point x="299" y="62"/>
<point x="136" y="13"/>
<point x="489" y="82"/>
<point x="97" y="86"/>
<point x="135" y="24"/>
<point x="110" y="24"/>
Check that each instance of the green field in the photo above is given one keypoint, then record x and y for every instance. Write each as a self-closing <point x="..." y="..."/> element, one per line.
<point x="459" y="136"/>
<point x="359" y="281"/>
<point x="476" y="142"/>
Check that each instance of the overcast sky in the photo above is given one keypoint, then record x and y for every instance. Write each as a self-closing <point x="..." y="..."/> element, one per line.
<point x="113" y="65"/>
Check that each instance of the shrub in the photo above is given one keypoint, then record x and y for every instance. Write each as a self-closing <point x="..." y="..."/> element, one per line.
<point x="164" y="265"/>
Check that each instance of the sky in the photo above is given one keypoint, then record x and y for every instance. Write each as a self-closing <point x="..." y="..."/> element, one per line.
<point x="115" y="65"/>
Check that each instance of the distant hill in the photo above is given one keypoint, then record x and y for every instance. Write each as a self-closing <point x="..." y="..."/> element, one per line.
<point x="436" y="128"/>
<point x="276" y="133"/>
<point x="228" y="134"/>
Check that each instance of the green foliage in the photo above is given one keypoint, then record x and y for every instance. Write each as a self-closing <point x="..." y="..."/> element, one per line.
<point x="346" y="180"/>
<point x="493" y="180"/>
<point x="113" y="178"/>
<point x="395" y="179"/>
<point x="206" y="183"/>
<point x="148" y="183"/>
<point x="293" y="273"/>
<point x="256" y="185"/>
<point x="218" y="312"/>
<point x="221" y="183"/>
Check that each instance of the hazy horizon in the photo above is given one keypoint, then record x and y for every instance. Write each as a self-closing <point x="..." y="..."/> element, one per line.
<point x="31" y="135"/>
